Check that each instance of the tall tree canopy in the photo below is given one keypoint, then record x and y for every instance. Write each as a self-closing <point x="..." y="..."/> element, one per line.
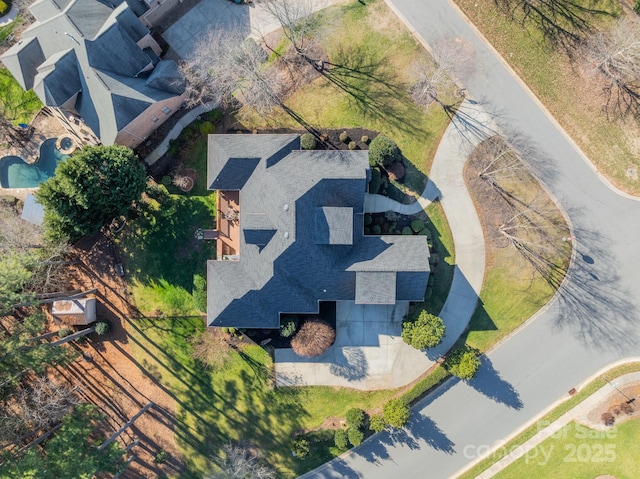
<point x="89" y="189"/>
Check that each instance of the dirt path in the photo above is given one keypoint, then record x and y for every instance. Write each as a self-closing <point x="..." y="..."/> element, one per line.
<point x="109" y="375"/>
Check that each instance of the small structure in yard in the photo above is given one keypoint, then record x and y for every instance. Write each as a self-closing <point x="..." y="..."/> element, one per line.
<point x="74" y="312"/>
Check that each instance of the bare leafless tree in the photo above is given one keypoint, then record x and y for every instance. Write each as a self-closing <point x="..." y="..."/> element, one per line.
<point x="614" y="57"/>
<point x="452" y="62"/>
<point x="210" y="347"/>
<point x="225" y="67"/>
<point x="497" y="161"/>
<point x="238" y="462"/>
<point x="295" y="18"/>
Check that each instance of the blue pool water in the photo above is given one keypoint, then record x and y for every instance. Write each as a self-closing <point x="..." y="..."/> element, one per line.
<point x="16" y="173"/>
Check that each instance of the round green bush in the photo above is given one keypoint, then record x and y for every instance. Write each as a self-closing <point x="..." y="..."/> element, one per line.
<point x="102" y="327"/>
<point x="426" y="331"/>
<point x="364" y="139"/>
<point x="407" y="230"/>
<point x="396" y="412"/>
<point x="353" y="145"/>
<point x="417" y="225"/>
<point x="161" y="457"/>
<point x="206" y="128"/>
<point x="288" y="325"/>
<point x="355" y="436"/>
<point x="308" y="141"/>
<point x="377" y="423"/>
<point x="355" y="418"/>
<point x="166" y="180"/>
<point x="344" y="137"/>
<point x="425" y="232"/>
<point x="463" y="363"/>
<point x="199" y="292"/>
<point x="376" y="230"/>
<point x="301" y="447"/>
<point x="367" y="219"/>
<point x="383" y="151"/>
<point x="367" y="230"/>
<point x="340" y="439"/>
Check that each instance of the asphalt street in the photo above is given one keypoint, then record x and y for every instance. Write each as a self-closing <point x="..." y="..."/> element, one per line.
<point x="592" y="323"/>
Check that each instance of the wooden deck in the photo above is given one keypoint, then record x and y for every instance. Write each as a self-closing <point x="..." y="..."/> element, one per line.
<point x="228" y="224"/>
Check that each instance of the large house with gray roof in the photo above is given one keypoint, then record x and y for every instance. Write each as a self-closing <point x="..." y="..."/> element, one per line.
<point x="98" y="69"/>
<point x="290" y="234"/>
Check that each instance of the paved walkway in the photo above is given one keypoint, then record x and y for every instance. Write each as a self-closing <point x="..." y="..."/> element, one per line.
<point x="390" y="363"/>
<point x="185" y="121"/>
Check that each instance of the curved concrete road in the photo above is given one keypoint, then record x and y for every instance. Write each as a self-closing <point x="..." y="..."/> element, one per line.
<point x="594" y="320"/>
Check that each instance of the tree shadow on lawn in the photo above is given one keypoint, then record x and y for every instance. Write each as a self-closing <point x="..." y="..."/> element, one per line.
<point x="162" y="236"/>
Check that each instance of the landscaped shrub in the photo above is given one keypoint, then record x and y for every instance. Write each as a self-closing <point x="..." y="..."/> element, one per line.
<point x="161" y="457"/>
<point x="301" y="447"/>
<point x="314" y="338"/>
<point x="102" y="327"/>
<point x="174" y="147"/>
<point x="340" y="439"/>
<point x="199" y="292"/>
<point x="396" y="412"/>
<point x="608" y="419"/>
<point x="206" y="128"/>
<point x="288" y="325"/>
<point x="383" y="151"/>
<point x="377" y="423"/>
<point x="4" y="8"/>
<point x="344" y="137"/>
<point x="353" y="145"/>
<point x="367" y="230"/>
<point x="355" y="436"/>
<point x="376" y="230"/>
<point x="365" y="138"/>
<point x="355" y="418"/>
<point x="166" y="180"/>
<point x="376" y="181"/>
<point x="463" y="362"/>
<point x="367" y="219"/>
<point x="308" y="141"/>
<point x="417" y="225"/>
<point x="407" y="230"/>
<point x="426" y="331"/>
<point x="636" y="7"/>
<point x="425" y="232"/>
<point x="64" y="332"/>
<point x="395" y="171"/>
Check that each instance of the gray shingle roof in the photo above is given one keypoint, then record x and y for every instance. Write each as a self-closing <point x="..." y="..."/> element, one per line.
<point x="106" y="66"/>
<point x="282" y="197"/>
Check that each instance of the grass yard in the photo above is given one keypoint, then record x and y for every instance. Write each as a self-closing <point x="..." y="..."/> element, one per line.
<point x="574" y="101"/>
<point x="552" y="416"/>
<point x="238" y="401"/>
<point x="161" y="254"/>
<point x="578" y="452"/>
<point x="380" y="52"/>
<point x="16" y="105"/>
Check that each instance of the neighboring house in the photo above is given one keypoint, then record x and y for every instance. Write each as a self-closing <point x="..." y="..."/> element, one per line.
<point x="98" y="68"/>
<point x="290" y="233"/>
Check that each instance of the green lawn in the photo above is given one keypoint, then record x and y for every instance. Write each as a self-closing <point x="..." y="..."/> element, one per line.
<point x="579" y="452"/>
<point x="550" y="417"/>
<point x="238" y="401"/>
<point x="161" y="254"/>
<point x="16" y="105"/>
<point x="574" y="101"/>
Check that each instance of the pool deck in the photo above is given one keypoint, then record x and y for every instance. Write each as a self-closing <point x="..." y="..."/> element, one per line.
<point x="45" y="127"/>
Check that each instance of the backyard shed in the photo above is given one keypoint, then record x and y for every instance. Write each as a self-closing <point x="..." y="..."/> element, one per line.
<point x="74" y="311"/>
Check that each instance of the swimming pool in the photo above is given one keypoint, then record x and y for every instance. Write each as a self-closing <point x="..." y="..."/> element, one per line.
<point x="16" y="173"/>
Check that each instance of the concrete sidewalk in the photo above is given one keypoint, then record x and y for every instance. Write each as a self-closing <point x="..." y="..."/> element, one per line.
<point x="579" y="413"/>
<point x="390" y="362"/>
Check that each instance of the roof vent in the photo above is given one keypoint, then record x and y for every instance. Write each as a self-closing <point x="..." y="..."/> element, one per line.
<point x="286" y="207"/>
<point x="286" y="235"/>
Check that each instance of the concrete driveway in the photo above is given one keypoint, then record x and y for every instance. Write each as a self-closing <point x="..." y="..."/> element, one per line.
<point x="210" y="15"/>
<point x="368" y="353"/>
